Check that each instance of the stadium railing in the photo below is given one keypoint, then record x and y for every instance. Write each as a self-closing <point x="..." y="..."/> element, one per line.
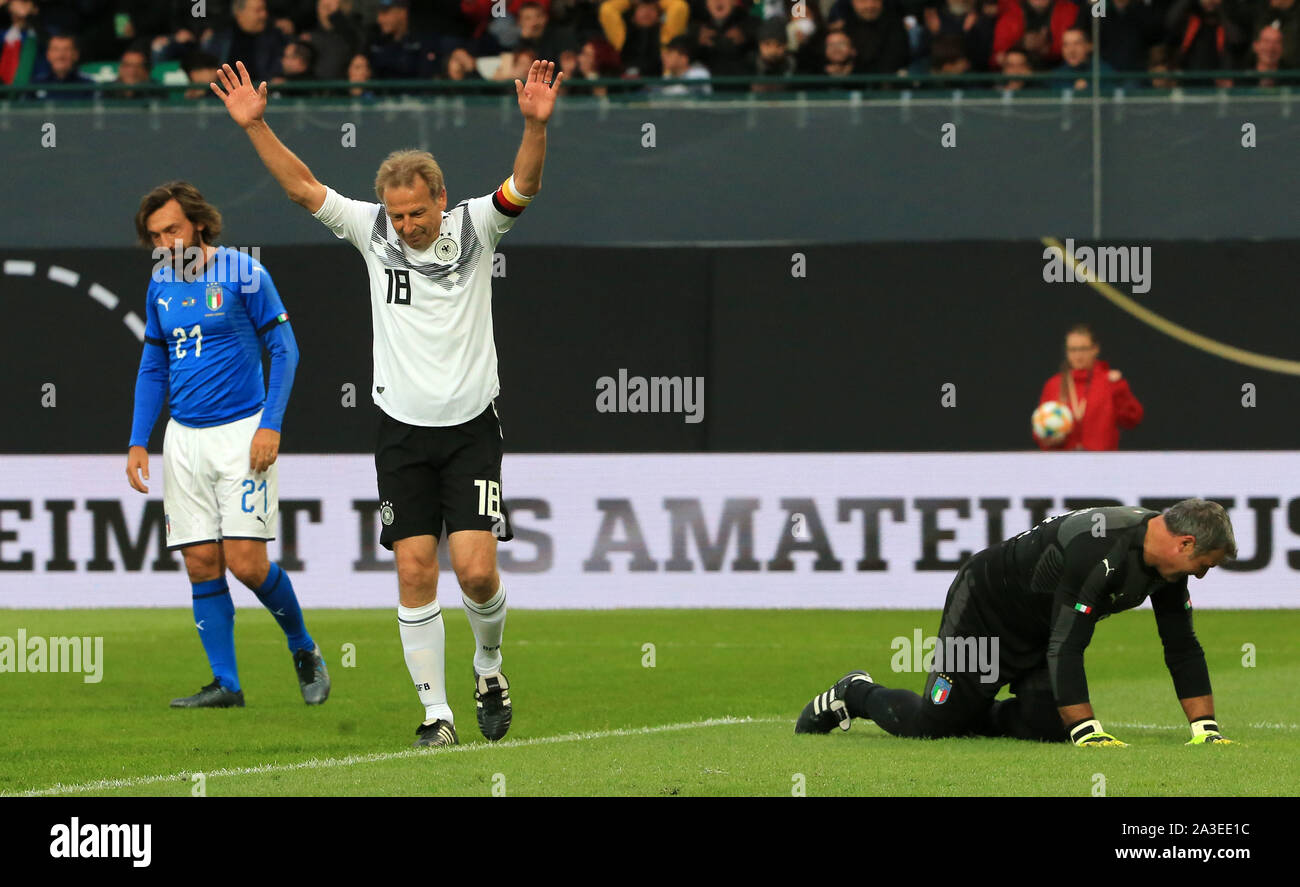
<point x="864" y="87"/>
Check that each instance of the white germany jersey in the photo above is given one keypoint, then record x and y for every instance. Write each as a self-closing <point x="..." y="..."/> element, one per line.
<point x="435" y="357"/>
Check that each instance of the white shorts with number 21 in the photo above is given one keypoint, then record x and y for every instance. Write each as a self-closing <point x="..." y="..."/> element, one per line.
<point x="209" y="491"/>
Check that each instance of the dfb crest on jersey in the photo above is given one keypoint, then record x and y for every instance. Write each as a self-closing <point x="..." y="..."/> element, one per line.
<point x="386" y="513"/>
<point x="215" y="296"/>
<point x="942" y="687"/>
<point x="446" y="249"/>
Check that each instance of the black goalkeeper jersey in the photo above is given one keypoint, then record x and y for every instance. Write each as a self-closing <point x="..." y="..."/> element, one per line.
<point x="1048" y="586"/>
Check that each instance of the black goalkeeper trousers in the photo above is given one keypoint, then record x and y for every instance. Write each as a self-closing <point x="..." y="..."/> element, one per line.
<point x="1023" y="716"/>
<point x="959" y="702"/>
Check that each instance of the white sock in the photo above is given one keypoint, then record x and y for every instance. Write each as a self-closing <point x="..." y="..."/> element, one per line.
<point x="488" y="620"/>
<point x="424" y="641"/>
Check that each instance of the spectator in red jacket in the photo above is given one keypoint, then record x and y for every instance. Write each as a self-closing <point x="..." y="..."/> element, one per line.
<point x="1038" y="25"/>
<point x="1098" y="396"/>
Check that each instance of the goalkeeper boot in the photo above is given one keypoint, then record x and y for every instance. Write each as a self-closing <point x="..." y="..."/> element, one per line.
<point x="492" y="696"/>
<point x="436" y="735"/>
<point x="1206" y="731"/>
<point x="212" y="696"/>
<point x="1088" y="734"/>
<point x="827" y="710"/>
<point x="313" y="677"/>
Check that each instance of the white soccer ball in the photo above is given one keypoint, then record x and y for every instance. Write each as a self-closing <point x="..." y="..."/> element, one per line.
<point x="1052" y="422"/>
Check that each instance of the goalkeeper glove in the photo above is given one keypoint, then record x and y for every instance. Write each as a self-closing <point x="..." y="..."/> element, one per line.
<point x="1088" y="734"/>
<point x="1205" y="731"/>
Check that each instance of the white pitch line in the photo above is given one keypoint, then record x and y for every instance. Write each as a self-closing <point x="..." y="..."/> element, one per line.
<point x="134" y="324"/>
<point x="68" y="277"/>
<point x="65" y="276"/>
<point x="350" y="760"/>
<point x="103" y="296"/>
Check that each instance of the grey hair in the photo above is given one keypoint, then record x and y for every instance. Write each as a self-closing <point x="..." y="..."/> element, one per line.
<point x="1205" y="520"/>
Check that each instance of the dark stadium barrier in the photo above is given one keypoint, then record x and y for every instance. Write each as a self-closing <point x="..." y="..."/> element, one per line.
<point x="875" y="348"/>
<point x="819" y="170"/>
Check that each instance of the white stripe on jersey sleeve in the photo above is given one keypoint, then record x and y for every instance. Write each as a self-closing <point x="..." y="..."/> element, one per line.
<point x="350" y="220"/>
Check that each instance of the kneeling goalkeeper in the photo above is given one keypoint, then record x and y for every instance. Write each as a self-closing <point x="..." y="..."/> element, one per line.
<point x="1040" y="594"/>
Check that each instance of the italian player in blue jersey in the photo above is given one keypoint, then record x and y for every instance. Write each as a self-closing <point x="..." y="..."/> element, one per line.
<point x="210" y="310"/>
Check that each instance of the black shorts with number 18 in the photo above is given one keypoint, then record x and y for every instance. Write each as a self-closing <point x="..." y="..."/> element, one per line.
<point x="431" y="476"/>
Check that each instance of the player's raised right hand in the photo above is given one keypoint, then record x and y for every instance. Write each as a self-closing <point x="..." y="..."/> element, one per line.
<point x="137" y="461"/>
<point x="244" y="103"/>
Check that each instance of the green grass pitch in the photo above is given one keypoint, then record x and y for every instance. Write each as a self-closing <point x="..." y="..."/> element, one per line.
<point x="714" y="716"/>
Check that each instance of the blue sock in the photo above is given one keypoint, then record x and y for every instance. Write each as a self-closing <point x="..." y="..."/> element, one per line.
<point x="214" y="617"/>
<point x="276" y="594"/>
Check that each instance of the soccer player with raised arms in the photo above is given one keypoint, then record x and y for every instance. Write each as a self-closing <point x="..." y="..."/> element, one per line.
<point x="209" y="312"/>
<point x="438" y="458"/>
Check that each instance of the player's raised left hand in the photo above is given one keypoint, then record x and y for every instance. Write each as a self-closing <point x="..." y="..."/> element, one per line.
<point x="244" y="103"/>
<point x="265" y="448"/>
<point x="537" y="93"/>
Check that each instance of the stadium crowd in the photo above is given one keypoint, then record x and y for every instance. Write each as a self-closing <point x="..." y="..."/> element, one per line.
<point x="491" y="42"/>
